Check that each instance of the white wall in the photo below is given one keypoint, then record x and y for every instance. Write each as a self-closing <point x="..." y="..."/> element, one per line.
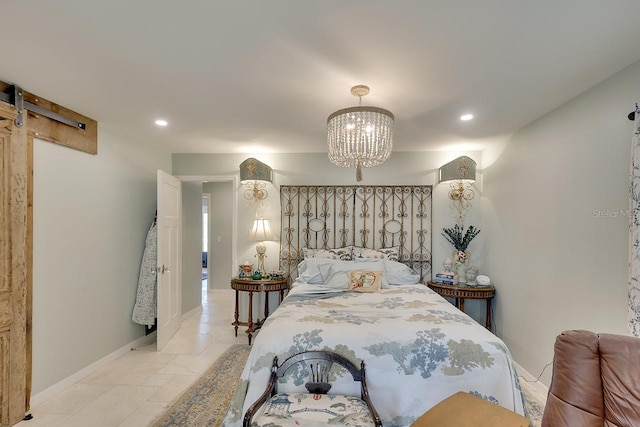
<point x="91" y="216"/>
<point x="554" y="212"/>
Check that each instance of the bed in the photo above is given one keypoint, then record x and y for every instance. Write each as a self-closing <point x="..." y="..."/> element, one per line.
<point x="417" y="347"/>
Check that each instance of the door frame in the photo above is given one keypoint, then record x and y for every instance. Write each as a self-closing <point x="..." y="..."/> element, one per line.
<point x="233" y="268"/>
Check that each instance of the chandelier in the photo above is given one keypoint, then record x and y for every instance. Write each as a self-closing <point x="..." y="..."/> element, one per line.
<point x="361" y="136"/>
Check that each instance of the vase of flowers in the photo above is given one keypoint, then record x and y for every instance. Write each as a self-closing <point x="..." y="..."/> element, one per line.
<point x="460" y="258"/>
<point x="460" y="240"/>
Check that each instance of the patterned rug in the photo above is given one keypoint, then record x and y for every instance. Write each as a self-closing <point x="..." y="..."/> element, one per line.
<point x="205" y="403"/>
<point x="533" y="405"/>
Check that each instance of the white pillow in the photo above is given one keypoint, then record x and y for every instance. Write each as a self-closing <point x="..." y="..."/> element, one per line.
<point x="336" y="275"/>
<point x="399" y="273"/>
<point x="309" y="272"/>
<point x="391" y="254"/>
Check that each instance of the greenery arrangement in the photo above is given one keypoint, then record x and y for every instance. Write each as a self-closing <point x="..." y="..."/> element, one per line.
<point x="458" y="238"/>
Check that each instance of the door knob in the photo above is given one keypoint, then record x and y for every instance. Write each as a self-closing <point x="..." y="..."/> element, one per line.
<point x="164" y="269"/>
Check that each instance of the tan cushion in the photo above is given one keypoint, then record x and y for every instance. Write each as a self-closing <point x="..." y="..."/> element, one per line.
<point x="466" y="410"/>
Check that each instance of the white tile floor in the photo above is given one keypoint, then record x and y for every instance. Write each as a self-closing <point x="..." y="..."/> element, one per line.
<point x="136" y="388"/>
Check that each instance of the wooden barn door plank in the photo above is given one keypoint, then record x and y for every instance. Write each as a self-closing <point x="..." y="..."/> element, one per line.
<point x="13" y="267"/>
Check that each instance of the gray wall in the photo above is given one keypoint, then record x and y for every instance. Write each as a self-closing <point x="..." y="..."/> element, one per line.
<point x="191" y="246"/>
<point x="554" y="210"/>
<point x="220" y="257"/>
<point x="91" y="217"/>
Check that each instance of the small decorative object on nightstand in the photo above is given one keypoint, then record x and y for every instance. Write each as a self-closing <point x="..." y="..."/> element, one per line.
<point x="472" y="274"/>
<point x="460" y="241"/>
<point x="483" y="280"/>
<point x="245" y="270"/>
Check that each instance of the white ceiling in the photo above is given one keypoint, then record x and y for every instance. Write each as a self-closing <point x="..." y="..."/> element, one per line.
<point x="251" y="76"/>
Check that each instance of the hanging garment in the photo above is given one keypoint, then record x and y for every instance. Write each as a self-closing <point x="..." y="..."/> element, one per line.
<point x="144" y="311"/>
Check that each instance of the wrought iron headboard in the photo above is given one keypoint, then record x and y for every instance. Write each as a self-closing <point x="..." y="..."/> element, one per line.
<point x="371" y="216"/>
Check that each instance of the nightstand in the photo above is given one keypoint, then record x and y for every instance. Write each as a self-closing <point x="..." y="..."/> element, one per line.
<point x="462" y="292"/>
<point x="251" y="286"/>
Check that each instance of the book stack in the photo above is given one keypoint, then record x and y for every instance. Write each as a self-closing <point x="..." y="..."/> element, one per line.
<point x="445" y="278"/>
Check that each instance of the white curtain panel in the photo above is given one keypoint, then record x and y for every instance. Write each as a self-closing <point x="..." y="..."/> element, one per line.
<point x="634" y="231"/>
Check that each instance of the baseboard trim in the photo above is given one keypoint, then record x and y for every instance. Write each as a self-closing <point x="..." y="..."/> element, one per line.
<point x="531" y="380"/>
<point x="49" y="392"/>
<point x="190" y="313"/>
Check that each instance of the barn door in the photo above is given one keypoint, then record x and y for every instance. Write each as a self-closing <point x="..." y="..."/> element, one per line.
<point x="13" y="268"/>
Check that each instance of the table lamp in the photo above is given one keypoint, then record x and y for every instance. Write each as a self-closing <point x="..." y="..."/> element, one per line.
<point x="260" y="232"/>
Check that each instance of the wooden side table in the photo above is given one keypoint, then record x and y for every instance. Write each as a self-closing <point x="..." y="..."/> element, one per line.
<point x="460" y="293"/>
<point x="251" y="286"/>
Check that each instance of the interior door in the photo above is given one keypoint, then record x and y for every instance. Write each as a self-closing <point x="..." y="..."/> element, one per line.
<point x="14" y="288"/>
<point x="169" y="254"/>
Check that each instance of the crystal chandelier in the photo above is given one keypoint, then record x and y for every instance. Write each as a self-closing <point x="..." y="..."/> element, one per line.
<point x="360" y="136"/>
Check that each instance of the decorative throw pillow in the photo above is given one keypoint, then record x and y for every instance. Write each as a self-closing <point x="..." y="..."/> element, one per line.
<point x="365" y="280"/>
<point x="335" y="276"/>
<point x="344" y="254"/>
<point x="392" y="254"/>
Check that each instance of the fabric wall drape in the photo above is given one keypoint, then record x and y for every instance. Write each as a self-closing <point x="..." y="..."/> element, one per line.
<point x="634" y="232"/>
<point x="145" y="309"/>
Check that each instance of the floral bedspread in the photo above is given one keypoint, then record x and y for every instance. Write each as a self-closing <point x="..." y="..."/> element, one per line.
<point x="417" y="347"/>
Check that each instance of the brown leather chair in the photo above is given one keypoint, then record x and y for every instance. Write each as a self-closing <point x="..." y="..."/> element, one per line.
<point x="595" y="381"/>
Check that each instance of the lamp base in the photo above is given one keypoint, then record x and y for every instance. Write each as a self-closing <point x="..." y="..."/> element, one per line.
<point x="261" y="249"/>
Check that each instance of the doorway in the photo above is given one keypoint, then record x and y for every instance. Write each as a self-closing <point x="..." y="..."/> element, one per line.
<point x="219" y="233"/>
<point x="206" y="207"/>
<point x="219" y="269"/>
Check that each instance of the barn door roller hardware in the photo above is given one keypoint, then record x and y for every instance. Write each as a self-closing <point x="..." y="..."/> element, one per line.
<point x="15" y="96"/>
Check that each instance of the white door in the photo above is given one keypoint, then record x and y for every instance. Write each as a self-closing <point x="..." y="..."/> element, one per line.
<point x="169" y="255"/>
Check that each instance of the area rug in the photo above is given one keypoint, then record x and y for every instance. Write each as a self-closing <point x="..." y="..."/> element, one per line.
<point x="205" y="403"/>
<point x="533" y="405"/>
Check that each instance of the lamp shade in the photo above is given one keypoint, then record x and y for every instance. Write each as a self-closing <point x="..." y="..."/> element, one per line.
<point x="254" y="170"/>
<point x="461" y="169"/>
<point x="261" y="231"/>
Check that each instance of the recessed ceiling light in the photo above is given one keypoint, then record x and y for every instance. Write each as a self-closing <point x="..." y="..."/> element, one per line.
<point x="161" y="122"/>
<point x="466" y="117"/>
